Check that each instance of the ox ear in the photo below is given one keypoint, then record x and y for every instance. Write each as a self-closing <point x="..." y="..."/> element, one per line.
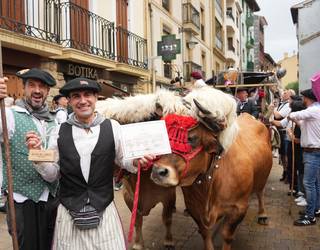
<point x="207" y="119"/>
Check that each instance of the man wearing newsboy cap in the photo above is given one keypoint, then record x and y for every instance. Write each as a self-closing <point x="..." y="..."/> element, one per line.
<point x="34" y="187"/>
<point x="88" y="145"/>
<point x="309" y="122"/>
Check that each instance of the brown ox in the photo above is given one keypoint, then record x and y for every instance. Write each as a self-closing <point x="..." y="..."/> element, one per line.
<point x="219" y="190"/>
<point x="150" y="195"/>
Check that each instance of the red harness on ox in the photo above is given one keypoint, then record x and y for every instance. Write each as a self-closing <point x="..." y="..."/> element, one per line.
<point x="178" y="127"/>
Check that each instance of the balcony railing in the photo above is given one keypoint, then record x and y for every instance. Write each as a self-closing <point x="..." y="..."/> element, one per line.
<point x="250" y="66"/>
<point x="229" y="14"/>
<point x="191" y="15"/>
<point x="71" y="26"/>
<point x="250" y="43"/>
<point x="219" y="43"/>
<point x="249" y="20"/>
<point x="218" y="7"/>
<point x="189" y="67"/>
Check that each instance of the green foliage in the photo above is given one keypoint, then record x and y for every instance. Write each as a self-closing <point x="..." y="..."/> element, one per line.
<point x="294" y="86"/>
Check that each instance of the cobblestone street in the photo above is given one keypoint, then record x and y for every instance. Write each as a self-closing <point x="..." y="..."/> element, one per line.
<point x="280" y="234"/>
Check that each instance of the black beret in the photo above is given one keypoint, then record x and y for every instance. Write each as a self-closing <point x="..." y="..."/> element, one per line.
<point x="57" y="97"/>
<point x="309" y="94"/>
<point x="80" y="84"/>
<point x="39" y="74"/>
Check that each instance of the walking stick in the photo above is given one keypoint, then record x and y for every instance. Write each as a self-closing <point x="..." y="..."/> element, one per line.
<point x="293" y="166"/>
<point x="5" y="135"/>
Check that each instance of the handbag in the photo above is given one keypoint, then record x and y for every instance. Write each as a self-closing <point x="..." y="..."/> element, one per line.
<point x="87" y="218"/>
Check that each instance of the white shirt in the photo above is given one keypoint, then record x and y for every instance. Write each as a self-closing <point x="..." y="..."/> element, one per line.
<point x="284" y="109"/>
<point x="85" y="143"/>
<point x="310" y="125"/>
<point x="199" y="83"/>
<point x="61" y="115"/>
<point x="46" y="173"/>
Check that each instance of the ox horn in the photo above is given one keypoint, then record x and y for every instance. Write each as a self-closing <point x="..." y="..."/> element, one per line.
<point x="206" y="118"/>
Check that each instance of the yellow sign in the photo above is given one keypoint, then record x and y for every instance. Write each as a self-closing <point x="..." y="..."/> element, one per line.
<point x="41" y="155"/>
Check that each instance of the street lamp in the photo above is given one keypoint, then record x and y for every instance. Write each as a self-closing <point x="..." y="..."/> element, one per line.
<point x="192" y="43"/>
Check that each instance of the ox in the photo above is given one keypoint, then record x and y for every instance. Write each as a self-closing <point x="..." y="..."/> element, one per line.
<point x="217" y="184"/>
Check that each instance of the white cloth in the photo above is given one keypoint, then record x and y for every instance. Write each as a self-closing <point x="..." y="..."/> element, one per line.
<point x="61" y="115"/>
<point x="284" y="109"/>
<point x="108" y="235"/>
<point x="46" y="171"/>
<point x="285" y="123"/>
<point x="199" y="83"/>
<point x="309" y="120"/>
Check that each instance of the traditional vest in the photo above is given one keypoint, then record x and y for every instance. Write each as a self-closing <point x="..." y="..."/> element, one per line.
<point x="26" y="180"/>
<point x="74" y="190"/>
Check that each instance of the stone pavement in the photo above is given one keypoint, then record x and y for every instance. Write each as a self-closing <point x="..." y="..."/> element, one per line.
<point x="280" y="234"/>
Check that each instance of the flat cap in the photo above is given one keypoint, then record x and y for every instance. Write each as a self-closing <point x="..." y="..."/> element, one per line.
<point x="80" y="83"/>
<point x="196" y="75"/>
<point x="57" y="97"/>
<point x="309" y="94"/>
<point x="39" y="74"/>
<point x="241" y="89"/>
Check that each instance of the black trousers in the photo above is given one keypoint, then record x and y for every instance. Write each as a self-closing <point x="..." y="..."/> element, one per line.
<point x="35" y="224"/>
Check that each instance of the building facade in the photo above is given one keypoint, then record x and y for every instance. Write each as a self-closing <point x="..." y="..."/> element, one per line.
<point x="233" y="23"/>
<point x="306" y="17"/>
<point x="76" y="38"/>
<point x="259" y="54"/>
<point x="247" y="34"/>
<point x="290" y="63"/>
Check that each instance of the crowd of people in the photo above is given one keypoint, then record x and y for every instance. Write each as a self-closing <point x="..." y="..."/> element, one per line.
<point x="87" y="145"/>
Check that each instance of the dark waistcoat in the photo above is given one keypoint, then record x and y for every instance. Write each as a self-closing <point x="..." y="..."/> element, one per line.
<point x="74" y="190"/>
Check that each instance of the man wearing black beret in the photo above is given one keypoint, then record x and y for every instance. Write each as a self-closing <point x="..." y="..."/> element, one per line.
<point x="33" y="186"/>
<point x="88" y="146"/>
<point x="309" y="122"/>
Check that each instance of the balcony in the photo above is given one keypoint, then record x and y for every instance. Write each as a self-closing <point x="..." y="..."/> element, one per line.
<point x="250" y="43"/>
<point x="189" y="67"/>
<point x="191" y="18"/>
<point x="67" y="25"/>
<point x="250" y="66"/>
<point x="219" y="43"/>
<point x="249" y="20"/>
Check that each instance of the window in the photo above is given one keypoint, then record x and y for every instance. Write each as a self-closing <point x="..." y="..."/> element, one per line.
<point x="167" y="69"/>
<point x="204" y="64"/>
<point x="230" y="13"/>
<point x="230" y="44"/>
<point x="243" y="31"/>
<point x="238" y="47"/>
<point x="202" y="27"/>
<point x="218" y="40"/>
<point x="243" y="56"/>
<point x="237" y="19"/>
<point x="166" y="4"/>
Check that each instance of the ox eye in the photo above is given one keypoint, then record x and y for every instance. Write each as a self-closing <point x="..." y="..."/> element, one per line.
<point x="193" y="140"/>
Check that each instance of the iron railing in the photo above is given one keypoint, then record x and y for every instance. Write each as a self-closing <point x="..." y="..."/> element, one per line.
<point x="72" y="26"/>
<point x="191" y="15"/>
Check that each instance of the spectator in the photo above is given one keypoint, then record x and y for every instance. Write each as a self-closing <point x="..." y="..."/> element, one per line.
<point x="280" y="113"/>
<point x="246" y="105"/>
<point x="61" y="104"/>
<point x="197" y="80"/>
<point x="309" y="120"/>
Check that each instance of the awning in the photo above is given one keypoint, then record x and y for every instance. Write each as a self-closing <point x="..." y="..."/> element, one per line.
<point x="108" y="90"/>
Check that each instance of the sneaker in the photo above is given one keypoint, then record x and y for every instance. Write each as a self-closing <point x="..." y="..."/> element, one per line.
<point x="305" y="221"/>
<point x="294" y="192"/>
<point x="317" y="213"/>
<point x="300" y="193"/>
<point x="302" y="203"/>
<point x="118" y="186"/>
<point x="299" y="199"/>
<point x="302" y="213"/>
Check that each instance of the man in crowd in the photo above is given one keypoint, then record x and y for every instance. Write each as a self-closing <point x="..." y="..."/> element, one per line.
<point x="309" y="121"/>
<point x="281" y="112"/>
<point x="197" y="80"/>
<point x="33" y="187"/>
<point x="88" y="145"/>
<point x="246" y="105"/>
<point x="61" y="103"/>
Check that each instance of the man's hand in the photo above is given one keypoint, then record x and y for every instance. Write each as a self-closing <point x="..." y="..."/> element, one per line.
<point x="3" y="88"/>
<point x="144" y="160"/>
<point x="33" y="141"/>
